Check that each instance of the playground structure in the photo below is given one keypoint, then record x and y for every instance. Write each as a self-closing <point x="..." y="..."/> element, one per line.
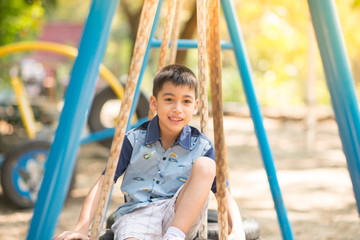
<point x="23" y="165"/>
<point x="71" y="52"/>
<point x="64" y="148"/>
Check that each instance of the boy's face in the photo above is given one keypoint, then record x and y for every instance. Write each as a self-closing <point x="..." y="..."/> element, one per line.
<point x="175" y="106"/>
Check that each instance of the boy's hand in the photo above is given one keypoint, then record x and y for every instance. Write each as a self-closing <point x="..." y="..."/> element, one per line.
<point x="68" y="235"/>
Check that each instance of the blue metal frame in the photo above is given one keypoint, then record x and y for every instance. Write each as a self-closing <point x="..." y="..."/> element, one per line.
<point x="67" y="138"/>
<point x="61" y="161"/>
<point x="188" y="43"/>
<point x="70" y="141"/>
<point x="340" y="83"/>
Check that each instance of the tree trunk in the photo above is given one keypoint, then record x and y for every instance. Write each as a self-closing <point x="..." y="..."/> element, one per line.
<point x="187" y="33"/>
<point x="134" y="17"/>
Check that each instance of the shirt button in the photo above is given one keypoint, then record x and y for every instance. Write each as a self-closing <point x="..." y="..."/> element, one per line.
<point x="157" y="181"/>
<point x="164" y="158"/>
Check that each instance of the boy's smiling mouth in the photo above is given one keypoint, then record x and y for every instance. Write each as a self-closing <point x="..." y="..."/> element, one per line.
<point x="175" y="119"/>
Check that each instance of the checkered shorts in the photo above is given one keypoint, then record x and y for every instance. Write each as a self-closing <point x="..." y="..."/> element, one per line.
<point x="152" y="221"/>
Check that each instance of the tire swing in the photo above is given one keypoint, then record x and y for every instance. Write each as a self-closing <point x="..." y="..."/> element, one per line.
<point x="213" y="49"/>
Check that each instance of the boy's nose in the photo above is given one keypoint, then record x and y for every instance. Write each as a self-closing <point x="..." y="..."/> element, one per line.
<point x="177" y="107"/>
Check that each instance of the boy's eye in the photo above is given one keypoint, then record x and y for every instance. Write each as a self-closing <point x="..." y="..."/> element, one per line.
<point x="168" y="99"/>
<point x="188" y="101"/>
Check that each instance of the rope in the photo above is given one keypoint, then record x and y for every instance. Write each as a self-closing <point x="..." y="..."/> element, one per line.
<point x="165" y="42"/>
<point x="214" y="50"/>
<point x="142" y="38"/>
<point x="202" y="68"/>
<point x="167" y="33"/>
<point x="209" y="49"/>
<point x="176" y="31"/>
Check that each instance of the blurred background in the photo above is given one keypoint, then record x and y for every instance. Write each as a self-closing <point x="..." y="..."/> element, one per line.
<point x="288" y="78"/>
<point x="279" y="38"/>
<point x="278" y="35"/>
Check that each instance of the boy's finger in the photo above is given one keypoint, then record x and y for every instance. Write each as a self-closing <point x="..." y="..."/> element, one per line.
<point x="63" y="235"/>
<point x="67" y="235"/>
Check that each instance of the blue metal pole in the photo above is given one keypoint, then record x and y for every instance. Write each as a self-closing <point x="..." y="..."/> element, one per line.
<point x="245" y="72"/>
<point x="62" y="156"/>
<point x="340" y="83"/>
<point x="188" y="43"/>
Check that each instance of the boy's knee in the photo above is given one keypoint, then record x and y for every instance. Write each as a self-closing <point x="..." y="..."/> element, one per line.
<point x="205" y="167"/>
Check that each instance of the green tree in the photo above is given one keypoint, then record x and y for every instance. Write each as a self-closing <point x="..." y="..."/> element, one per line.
<point x="276" y="35"/>
<point x="19" y="19"/>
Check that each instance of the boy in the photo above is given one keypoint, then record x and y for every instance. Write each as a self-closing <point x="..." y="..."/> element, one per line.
<point x="170" y="170"/>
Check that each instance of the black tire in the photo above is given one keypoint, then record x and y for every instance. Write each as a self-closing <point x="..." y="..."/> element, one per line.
<point x="107" y="94"/>
<point x="213" y="231"/>
<point x="251" y="227"/>
<point x="212" y="216"/>
<point x="108" y="235"/>
<point x="22" y="173"/>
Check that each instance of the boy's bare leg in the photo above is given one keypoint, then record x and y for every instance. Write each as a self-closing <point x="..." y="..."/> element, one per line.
<point x="194" y="194"/>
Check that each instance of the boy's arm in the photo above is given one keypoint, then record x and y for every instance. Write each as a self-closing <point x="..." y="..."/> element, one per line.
<point x="87" y="214"/>
<point x="234" y="218"/>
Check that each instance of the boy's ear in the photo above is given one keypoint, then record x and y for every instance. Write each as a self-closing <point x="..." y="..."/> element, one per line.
<point x="196" y="107"/>
<point x="153" y="104"/>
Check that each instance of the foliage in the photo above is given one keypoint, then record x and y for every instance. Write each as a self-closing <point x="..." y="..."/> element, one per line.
<point x="276" y="44"/>
<point x="356" y="3"/>
<point x="277" y="35"/>
<point x="19" y="19"/>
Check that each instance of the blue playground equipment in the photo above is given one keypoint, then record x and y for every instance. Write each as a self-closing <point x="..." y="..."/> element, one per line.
<point x="61" y="160"/>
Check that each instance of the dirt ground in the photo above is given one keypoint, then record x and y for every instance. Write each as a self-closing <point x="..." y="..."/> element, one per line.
<point x="315" y="182"/>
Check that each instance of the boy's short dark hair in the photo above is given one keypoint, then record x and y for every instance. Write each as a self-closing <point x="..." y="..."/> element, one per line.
<point x="177" y="74"/>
